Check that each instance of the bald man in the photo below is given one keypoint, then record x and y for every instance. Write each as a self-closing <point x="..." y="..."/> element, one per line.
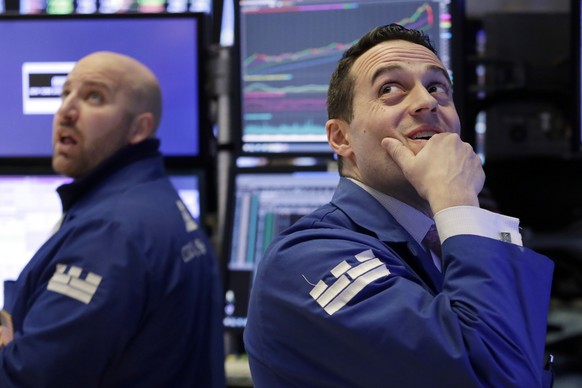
<point x="126" y="292"/>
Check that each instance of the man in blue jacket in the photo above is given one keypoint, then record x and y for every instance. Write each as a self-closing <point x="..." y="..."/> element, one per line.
<point x="126" y="291"/>
<point x="354" y="295"/>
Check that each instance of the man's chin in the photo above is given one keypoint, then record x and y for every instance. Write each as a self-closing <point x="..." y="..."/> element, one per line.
<point x="63" y="166"/>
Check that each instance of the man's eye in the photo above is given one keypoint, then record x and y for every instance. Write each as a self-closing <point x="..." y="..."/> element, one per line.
<point x="95" y="96"/>
<point x="438" y="88"/>
<point x="389" y="88"/>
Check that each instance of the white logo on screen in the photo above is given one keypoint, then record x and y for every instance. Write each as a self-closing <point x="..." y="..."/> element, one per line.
<point x="43" y="98"/>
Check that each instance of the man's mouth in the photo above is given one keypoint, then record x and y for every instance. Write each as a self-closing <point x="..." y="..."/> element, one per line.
<point x="67" y="140"/>
<point x="423" y="135"/>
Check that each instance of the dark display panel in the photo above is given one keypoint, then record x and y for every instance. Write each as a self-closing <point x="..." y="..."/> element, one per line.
<point x="576" y="42"/>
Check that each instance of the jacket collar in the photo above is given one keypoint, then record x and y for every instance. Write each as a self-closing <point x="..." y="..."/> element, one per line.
<point x="70" y="193"/>
<point x="375" y="219"/>
<point x="349" y="197"/>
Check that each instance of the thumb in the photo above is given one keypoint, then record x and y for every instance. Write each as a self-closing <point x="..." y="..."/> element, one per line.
<point x="397" y="151"/>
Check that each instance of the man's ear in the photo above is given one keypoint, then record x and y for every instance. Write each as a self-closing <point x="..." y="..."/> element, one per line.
<point x="338" y="137"/>
<point x="142" y="127"/>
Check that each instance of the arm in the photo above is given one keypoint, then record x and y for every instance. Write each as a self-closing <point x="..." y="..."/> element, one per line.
<point x="64" y="337"/>
<point x="315" y="320"/>
<point x="486" y="327"/>
<point x="449" y="175"/>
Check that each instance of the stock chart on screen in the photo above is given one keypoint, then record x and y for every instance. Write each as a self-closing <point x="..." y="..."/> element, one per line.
<point x="286" y="72"/>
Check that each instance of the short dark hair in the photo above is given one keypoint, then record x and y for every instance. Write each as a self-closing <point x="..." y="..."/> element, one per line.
<point x="340" y="92"/>
<point x="341" y="86"/>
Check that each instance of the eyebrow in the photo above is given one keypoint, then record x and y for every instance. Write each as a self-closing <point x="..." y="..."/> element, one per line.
<point x="389" y="68"/>
<point x="97" y="84"/>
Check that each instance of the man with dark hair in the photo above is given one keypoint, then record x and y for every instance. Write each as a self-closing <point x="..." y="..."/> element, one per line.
<point x="401" y="280"/>
<point x="126" y="292"/>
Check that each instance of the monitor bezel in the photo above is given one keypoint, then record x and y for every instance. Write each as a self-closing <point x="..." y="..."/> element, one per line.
<point x="576" y="60"/>
<point x="205" y="139"/>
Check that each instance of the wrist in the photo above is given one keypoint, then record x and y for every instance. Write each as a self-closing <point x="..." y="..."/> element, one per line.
<point x="453" y="200"/>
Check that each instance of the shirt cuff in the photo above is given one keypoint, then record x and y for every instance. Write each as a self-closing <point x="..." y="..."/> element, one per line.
<point x="472" y="220"/>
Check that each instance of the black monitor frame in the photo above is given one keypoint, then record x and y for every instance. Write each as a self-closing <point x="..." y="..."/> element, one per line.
<point x="576" y="54"/>
<point x="205" y="138"/>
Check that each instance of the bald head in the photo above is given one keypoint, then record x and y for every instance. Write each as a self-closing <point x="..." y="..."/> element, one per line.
<point x="109" y="101"/>
<point x="141" y="84"/>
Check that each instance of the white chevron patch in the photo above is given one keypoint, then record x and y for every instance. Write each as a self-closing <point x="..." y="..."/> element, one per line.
<point x="67" y="281"/>
<point x="350" y="280"/>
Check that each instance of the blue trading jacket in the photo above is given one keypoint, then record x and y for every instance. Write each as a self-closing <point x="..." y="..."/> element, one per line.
<point x="346" y="298"/>
<point x="124" y="294"/>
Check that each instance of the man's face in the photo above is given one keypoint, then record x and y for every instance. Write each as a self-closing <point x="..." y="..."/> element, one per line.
<point x="94" y="119"/>
<point x="401" y="90"/>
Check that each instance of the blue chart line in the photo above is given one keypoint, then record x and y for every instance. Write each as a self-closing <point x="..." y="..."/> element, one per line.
<point x="259" y="89"/>
<point x="261" y="63"/>
<point x="298" y="128"/>
<point x="284" y="105"/>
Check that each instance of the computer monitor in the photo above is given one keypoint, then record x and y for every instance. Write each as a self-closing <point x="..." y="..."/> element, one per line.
<point x="60" y="7"/>
<point x="38" y="51"/>
<point x="288" y="51"/>
<point x="264" y="203"/>
<point x="30" y="208"/>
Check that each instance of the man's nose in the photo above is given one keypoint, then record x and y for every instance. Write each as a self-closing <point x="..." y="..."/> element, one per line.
<point x="422" y="101"/>
<point x="68" y="110"/>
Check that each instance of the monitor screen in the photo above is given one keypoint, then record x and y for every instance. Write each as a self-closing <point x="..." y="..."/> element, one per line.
<point x="30" y="208"/>
<point x="190" y="190"/>
<point x="265" y="203"/>
<point x="285" y="72"/>
<point x="61" y="7"/>
<point x="38" y="52"/>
